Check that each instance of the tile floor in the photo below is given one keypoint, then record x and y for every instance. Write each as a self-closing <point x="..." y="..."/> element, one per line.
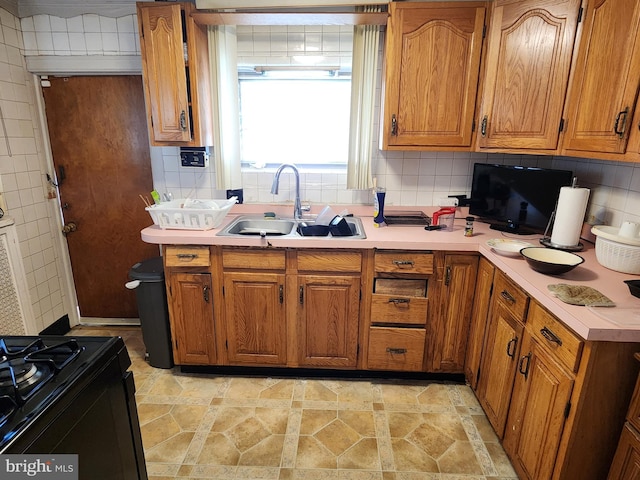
<point x="203" y="426"/>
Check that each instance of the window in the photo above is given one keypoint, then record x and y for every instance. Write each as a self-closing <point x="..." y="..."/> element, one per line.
<point x="294" y="116"/>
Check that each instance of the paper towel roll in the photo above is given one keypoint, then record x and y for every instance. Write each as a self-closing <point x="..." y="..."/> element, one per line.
<point x="572" y="206"/>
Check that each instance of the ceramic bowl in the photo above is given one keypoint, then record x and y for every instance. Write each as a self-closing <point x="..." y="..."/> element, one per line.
<point x="550" y="261"/>
<point x="634" y="287"/>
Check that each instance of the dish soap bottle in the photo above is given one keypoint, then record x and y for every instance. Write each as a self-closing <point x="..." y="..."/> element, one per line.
<point x="378" y="207"/>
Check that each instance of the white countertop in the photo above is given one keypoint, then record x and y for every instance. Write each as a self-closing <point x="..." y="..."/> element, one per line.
<point x="582" y="320"/>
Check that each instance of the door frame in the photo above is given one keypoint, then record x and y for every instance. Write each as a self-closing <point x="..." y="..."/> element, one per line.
<point x="61" y="66"/>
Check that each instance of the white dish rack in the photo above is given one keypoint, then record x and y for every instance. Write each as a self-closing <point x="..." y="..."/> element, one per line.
<point x="190" y="214"/>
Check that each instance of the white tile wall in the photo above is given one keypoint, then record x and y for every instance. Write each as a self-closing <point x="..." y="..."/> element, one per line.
<point x="22" y="176"/>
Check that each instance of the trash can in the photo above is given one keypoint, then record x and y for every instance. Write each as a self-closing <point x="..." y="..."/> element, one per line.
<point x="147" y="278"/>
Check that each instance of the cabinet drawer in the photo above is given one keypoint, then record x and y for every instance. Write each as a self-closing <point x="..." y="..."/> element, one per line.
<point x="401" y="286"/>
<point x="398" y="309"/>
<point x="396" y="349"/>
<point x="254" y="259"/>
<point x="325" y="261"/>
<point x="404" y="262"/>
<point x="187" y="256"/>
<point x="511" y="296"/>
<point x="555" y="336"/>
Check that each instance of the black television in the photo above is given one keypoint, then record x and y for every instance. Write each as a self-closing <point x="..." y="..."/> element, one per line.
<point x="516" y="199"/>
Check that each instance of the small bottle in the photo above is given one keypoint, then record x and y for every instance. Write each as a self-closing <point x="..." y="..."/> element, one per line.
<point x="378" y="207"/>
<point x="468" y="227"/>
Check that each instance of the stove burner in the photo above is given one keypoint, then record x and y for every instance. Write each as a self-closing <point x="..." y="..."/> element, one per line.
<point x="24" y="374"/>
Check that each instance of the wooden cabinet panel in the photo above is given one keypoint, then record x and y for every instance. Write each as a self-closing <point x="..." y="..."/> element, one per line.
<point x="255" y="318"/>
<point x="432" y="66"/>
<point x="398" y="309"/>
<point x="400" y="349"/>
<point x="529" y="50"/>
<point x="191" y="314"/>
<point x="538" y="412"/>
<point x="328" y="319"/>
<point x="254" y="259"/>
<point x="500" y="358"/>
<point x="186" y="256"/>
<point x="329" y="261"/>
<point x="626" y="463"/>
<point x="606" y="78"/>
<point x="515" y="300"/>
<point x="404" y="262"/>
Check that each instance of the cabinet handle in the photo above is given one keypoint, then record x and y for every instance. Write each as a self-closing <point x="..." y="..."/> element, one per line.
<point x="396" y="351"/>
<point x="522" y="368"/>
<point x="187" y="256"/>
<point x="205" y="293"/>
<point x="511" y="347"/>
<point x="301" y="295"/>
<point x="394" y="125"/>
<point x="620" y="127"/>
<point x="183" y="121"/>
<point x="549" y="335"/>
<point x="507" y="296"/>
<point x="483" y="126"/>
<point x="403" y="263"/>
<point x="447" y="275"/>
<point x="399" y="300"/>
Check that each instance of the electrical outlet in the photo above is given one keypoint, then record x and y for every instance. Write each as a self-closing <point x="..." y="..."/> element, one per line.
<point x="448" y="202"/>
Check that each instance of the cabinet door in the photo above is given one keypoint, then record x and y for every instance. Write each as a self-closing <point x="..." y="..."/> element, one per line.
<point x="529" y="51"/>
<point x="328" y="319"/>
<point x="499" y="361"/>
<point x="626" y="463"/>
<point x="538" y="411"/>
<point x="606" y="78"/>
<point x="164" y="71"/>
<point x="255" y="318"/>
<point x="191" y="314"/>
<point x="450" y="330"/>
<point x="432" y="68"/>
<point x="478" y="324"/>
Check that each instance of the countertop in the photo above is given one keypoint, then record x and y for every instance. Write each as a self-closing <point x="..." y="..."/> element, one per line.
<point x="587" y="324"/>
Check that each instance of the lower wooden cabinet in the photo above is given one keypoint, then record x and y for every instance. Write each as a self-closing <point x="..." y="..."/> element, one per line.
<point x="626" y="463"/>
<point x="400" y="349"/>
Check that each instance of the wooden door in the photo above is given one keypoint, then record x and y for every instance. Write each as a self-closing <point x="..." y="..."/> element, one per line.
<point x="432" y="69"/>
<point x="329" y="315"/>
<point x="255" y="318"/>
<point x="538" y="411"/>
<point x="98" y="133"/>
<point x="192" y="329"/>
<point x="529" y="49"/>
<point x="626" y="463"/>
<point x="607" y="77"/>
<point x="499" y="361"/>
<point x="449" y="331"/>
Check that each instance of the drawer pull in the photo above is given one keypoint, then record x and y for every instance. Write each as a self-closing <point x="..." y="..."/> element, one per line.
<point x="511" y="347"/>
<point x="524" y="370"/>
<point x="399" y="300"/>
<point x="187" y="256"/>
<point x="507" y="296"/>
<point x="403" y="263"/>
<point x="549" y="335"/>
<point x="396" y="351"/>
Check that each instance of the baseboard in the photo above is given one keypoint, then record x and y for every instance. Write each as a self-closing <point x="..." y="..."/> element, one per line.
<point x="105" y="322"/>
<point x="59" y="327"/>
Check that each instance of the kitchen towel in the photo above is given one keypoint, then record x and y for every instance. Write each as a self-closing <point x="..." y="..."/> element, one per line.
<point x="580" y="295"/>
<point x="569" y="217"/>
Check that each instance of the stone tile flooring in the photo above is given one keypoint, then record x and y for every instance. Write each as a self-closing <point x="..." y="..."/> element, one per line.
<point x="203" y="426"/>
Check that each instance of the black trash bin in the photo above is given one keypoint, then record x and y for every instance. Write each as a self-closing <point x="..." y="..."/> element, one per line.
<point x="152" y="309"/>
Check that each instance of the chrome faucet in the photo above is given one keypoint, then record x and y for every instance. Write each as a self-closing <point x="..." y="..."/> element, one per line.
<point x="297" y="205"/>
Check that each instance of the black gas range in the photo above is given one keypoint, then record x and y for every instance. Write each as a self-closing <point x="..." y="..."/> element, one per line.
<point x="71" y="395"/>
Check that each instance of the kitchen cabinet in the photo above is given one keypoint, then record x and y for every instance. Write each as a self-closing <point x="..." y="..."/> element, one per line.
<point x="479" y="316"/>
<point x="175" y="74"/>
<point x="399" y="309"/>
<point x="504" y="331"/>
<point x="529" y="52"/>
<point x="190" y="298"/>
<point x="431" y="73"/>
<point x="328" y="308"/>
<point x="626" y="463"/>
<point x="254" y="306"/>
<point x="448" y="330"/>
<point x="606" y="79"/>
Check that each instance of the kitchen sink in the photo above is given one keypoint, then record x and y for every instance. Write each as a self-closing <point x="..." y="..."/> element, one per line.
<point x="285" y="227"/>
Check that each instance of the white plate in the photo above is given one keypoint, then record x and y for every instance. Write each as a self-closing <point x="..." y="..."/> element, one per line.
<point x="508" y="246"/>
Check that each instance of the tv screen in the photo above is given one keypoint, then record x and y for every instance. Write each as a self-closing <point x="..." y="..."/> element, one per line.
<point x="516" y="199"/>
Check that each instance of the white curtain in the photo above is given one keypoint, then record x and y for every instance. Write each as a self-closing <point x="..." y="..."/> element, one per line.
<point x="366" y="40"/>
<point x="224" y="80"/>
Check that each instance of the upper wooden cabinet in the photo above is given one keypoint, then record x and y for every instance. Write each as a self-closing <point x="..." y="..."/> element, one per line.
<point x="432" y="67"/>
<point x="606" y="78"/>
<point x="529" y="50"/>
<point x="175" y="71"/>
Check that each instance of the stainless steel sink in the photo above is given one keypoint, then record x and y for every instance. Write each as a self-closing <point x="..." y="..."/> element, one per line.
<point x="284" y="227"/>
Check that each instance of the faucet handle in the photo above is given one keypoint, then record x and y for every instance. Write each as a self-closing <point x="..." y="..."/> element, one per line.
<point x="306" y="208"/>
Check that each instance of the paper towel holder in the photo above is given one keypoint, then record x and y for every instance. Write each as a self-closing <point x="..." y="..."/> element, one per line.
<point x="546" y="239"/>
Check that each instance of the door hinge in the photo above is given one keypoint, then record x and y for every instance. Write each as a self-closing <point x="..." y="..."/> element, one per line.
<point x="477" y="376"/>
<point x="580" y="14"/>
<point x="561" y="125"/>
<point x="567" y="408"/>
<point x="473" y="125"/>
<point x="484" y="30"/>
<point x="223" y="291"/>
<point x="226" y="344"/>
